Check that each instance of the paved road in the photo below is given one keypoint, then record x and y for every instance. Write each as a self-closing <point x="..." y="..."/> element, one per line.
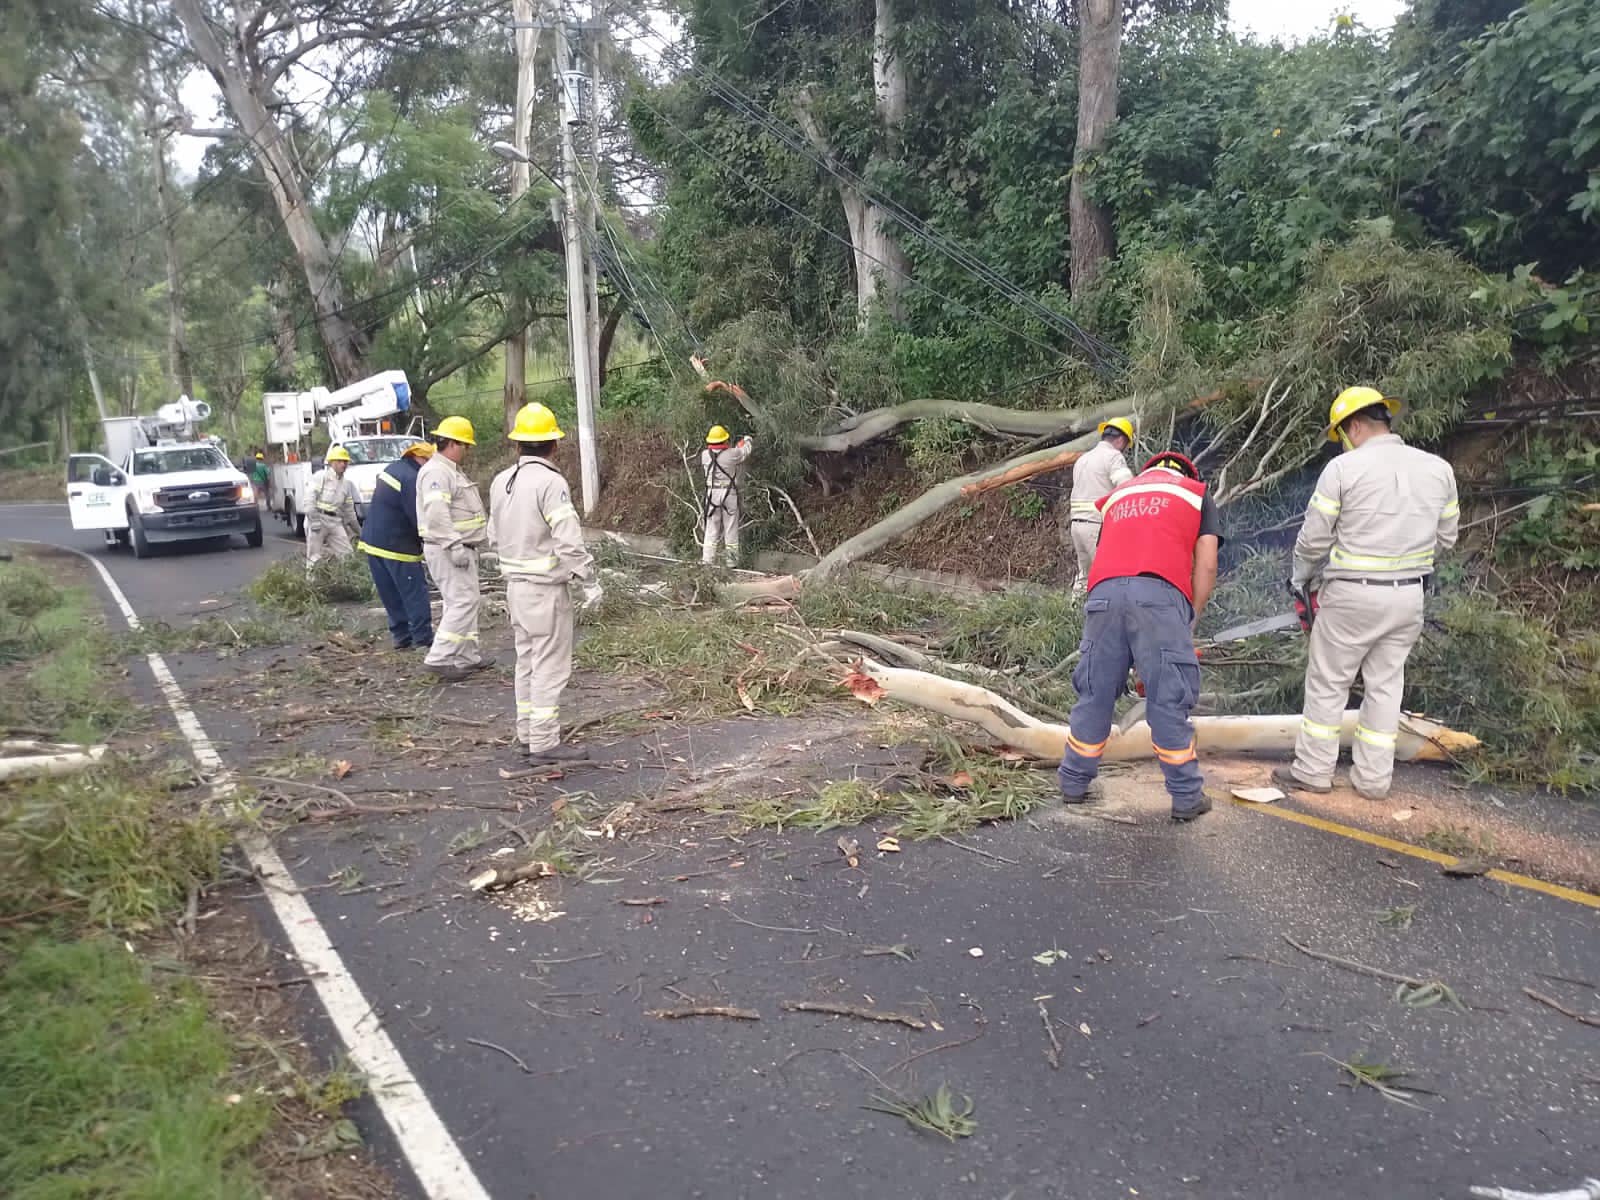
<point x="1192" y="1035"/>
<point x="169" y="585"/>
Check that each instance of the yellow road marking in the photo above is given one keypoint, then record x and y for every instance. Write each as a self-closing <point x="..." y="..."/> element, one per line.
<point x="1527" y="882"/>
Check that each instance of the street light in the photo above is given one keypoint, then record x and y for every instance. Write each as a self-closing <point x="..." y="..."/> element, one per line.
<point x="510" y="153"/>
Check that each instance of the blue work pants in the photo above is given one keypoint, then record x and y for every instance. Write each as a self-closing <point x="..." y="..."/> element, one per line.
<point x="1144" y="622"/>
<point x="403" y="588"/>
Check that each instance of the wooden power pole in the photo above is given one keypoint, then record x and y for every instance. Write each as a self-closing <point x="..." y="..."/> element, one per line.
<point x="569" y="84"/>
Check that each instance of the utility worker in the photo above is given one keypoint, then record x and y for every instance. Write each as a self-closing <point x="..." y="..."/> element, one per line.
<point x="724" y="466"/>
<point x="1152" y="575"/>
<point x="1093" y="477"/>
<point x="536" y="532"/>
<point x="393" y="547"/>
<point x="1380" y="513"/>
<point x="332" y="526"/>
<point x="451" y="520"/>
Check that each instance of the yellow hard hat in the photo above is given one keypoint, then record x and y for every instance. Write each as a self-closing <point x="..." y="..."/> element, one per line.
<point x="419" y="450"/>
<point x="338" y="454"/>
<point x="457" y="429"/>
<point x="535" y="423"/>
<point x="1352" y="400"/>
<point x="716" y="435"/>
<point x="1121" y="424"/>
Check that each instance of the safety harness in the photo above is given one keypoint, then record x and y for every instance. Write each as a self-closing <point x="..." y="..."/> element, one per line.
<point x="727" y="482"/>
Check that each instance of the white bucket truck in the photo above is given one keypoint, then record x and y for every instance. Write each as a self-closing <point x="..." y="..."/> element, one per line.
<point x="160" y="480"/>
<point x="371" y="419"/>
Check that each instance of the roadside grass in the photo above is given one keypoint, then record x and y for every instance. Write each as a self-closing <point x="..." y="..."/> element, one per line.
<point x="120" y="1079"/>
<point x="118" y="1085"/>
<point x="288" y="587"/>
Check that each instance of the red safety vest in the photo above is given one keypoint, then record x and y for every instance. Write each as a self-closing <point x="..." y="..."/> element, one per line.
<point x="1151" y="524"/>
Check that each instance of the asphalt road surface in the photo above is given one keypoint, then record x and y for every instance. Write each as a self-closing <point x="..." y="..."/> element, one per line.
<point x="1198" y="1051"/>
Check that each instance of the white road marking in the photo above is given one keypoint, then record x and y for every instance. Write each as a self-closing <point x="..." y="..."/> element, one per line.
<point x="439" y="1164"/>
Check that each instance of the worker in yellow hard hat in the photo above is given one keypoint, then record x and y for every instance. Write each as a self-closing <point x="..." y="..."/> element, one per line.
<point x="1381" y="512"/>
<point x="534" y="528"/>
<point x="452" y="522"/>
<point x="1094" y="476"/>
<point x="332" y="526"/>
<point x="393" y="547"/>
<point x="724" y="465"/>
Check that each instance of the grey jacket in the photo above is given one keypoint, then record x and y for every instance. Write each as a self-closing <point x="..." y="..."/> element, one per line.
<point x="1381" y="511"/>
<point x="1098" y="473"/>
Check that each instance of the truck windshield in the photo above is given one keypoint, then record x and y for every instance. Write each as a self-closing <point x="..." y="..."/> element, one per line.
<point x="377" y="450"/>
<point x="181" y="458"/>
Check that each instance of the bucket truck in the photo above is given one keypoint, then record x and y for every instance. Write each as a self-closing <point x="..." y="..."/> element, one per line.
<point x="161" y="480"/>
<point x="371" y="419"/>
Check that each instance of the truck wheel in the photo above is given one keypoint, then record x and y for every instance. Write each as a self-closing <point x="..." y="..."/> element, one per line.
<point x="136" y="538"/>
<point x="253" y="538"/>
<point x="297" y="523"/>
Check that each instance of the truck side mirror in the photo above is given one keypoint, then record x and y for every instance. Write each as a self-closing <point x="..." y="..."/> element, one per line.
<point x="117" y="479"/>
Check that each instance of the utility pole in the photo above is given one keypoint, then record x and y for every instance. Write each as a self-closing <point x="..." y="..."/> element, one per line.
<point x="591" y="214"/>
<point x="567" y="83"/>
<point x="516" y="387"/>
<point x="177" y="333"/>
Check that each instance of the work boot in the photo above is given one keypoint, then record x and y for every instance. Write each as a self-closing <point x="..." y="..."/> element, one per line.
<point x="1375" y="797"/>
<point x="559" y="755"/>
<point x="447" y="672"/>
<point x="1285" y="778"/>
<point x="483" y="664"/>
<point x="1200" y="807"/>
<point x="1095" y="793"/>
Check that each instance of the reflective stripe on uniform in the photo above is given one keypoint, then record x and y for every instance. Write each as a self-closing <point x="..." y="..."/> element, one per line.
<point x="1175" y="758"/>
<point x="1312" y="729"/>
<point x="529" y="566"/>
<point x="330" y="509"/>
<point x="455" y="637"/>
<point x="471" y="523"/>
<point x="1084" y="506"/>
<point x="544" y="713"/>
<point x="394" y="554"/>
<point x="1421" y="560"/>
<point x="1085" y="748"/>
<point x="1373" y="738"/>
<point x="1160" y="489"/>
<point x="430" y="497"/>
<point x="1324" y="505"/>
<point x="391" y="481"/>
<point x="559" y="513"/>
<point x="1453" y="509"/>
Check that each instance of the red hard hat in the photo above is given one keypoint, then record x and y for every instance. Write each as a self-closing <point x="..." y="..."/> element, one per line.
<point x="1171" y="458"/>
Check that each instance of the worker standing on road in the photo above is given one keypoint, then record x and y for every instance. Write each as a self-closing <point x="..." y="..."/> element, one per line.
<point x="451" y="519"/>
<point x="260" y="476"/>
<point x="393" y="547"/>
<point x="535" y="529"/>
<point x="724" y="467"/>
<point x="1093" y="478"/>
<point x="1380" y="513"/>
<point x="1152" y="575"/>
<point x="332" y="526"/>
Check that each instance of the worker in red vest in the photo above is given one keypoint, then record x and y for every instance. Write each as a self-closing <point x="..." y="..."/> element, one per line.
<point x="1152" y="575"/>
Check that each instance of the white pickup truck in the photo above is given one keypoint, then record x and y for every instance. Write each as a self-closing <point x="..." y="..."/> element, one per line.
<point x="169" y="492"/>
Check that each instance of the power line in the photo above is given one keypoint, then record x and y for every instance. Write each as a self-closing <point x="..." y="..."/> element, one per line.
<point x="1100" y="352"/>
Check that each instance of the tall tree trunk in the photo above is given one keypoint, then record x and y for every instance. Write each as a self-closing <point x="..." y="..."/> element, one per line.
<point x="514" y="393"/>
<point x="887" y="266"/>
<point x="285" y="343"/>
<point x="343" y="342"/>
<point x="1099" y="53"/>
<point x="180" y="365"/>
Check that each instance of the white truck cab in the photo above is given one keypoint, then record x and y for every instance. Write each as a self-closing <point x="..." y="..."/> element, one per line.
<point x="173" y="491"/>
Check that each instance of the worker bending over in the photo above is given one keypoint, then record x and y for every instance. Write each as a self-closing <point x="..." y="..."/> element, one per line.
<point x="451" y="520"/>
<point x="724" y="466"/>
<point x="1094" y="476"/>
<point x="331" y="525"/>
<point x="393" y="547"/>
<point x="1152" y="575"/>
<point x="1380" y="513"/>
<point x="536" y="532"/>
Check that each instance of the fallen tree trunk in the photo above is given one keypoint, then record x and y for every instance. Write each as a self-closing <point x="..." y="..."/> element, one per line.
<point x="867" y="427"/>
<point x="30" y="759"/>
<point x="906" y="518"/>
<point x="1421" y="740"/>
<point x="1027" y="471"/>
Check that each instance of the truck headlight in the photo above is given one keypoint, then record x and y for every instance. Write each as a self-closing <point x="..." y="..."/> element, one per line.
<point x="247" y="494"/>
<point x="146" y="502"/>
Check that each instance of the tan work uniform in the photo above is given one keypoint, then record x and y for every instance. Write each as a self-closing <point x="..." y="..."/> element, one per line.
<point x="1378" y="517"/>
<point x="724" y="471"/>
<point x="1098" y="473"/>
<point x="451" y="519"/>
<point x="331" y="524"/>
<point x="536" y="531"/>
